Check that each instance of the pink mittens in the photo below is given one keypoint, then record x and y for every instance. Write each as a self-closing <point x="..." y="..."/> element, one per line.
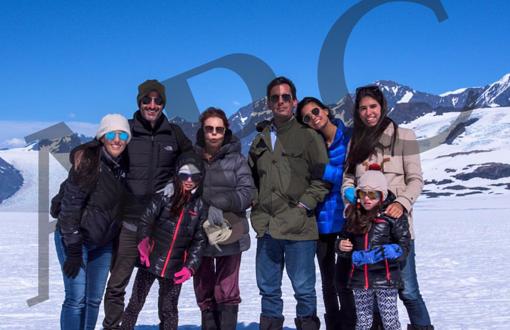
<point x="144" y="249"/>
<point x="182" y="276"/>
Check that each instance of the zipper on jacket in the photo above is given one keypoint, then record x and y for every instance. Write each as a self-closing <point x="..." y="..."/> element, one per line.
<point x="149" y="189"/>
<point x="365" y="268"/>
<point x="172" y="243"/>
<point x="388" y="274"/>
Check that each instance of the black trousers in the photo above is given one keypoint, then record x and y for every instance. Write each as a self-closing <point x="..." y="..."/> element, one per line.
<point x="123" y="264"/>
<point x="338" y="299"/>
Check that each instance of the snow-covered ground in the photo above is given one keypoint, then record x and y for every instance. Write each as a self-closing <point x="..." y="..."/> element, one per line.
<point x="461" y="241"/>
<point x="461" y="256"/>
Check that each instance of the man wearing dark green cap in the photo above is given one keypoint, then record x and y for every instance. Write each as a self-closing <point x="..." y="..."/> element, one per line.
<point x="154" y="148"/>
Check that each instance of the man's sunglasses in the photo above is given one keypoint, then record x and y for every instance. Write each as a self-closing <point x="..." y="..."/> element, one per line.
<point x="196" y="177"/>
<point x="110" y="136"/>
<point x="315" y="112"/>
<point x="212" y="129"/>
<point x="147" y="100"/>
<point x="371" y="194"/>
<point x="285" y="97"/>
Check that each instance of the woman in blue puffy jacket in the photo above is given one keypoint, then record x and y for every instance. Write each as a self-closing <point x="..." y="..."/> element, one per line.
<point x="330" y="220"/>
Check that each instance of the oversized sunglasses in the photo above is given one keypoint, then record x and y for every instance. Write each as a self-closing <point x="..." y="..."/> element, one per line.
<point x="315" y="112"/>
<point x="196" y="177"/>
<point x="110" y="136"/>
<point x="212" y="129"/>
<point x="285" y="97"/>
<point x="147" y="100"/>
<point x="371" y="194"/>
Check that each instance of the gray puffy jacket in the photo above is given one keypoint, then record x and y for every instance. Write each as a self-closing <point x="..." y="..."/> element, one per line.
<point x="228" y="185"/>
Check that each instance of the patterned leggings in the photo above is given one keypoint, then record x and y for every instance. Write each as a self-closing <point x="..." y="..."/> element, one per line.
<point x="387" y="303"/>
<point x="167" y="303"/>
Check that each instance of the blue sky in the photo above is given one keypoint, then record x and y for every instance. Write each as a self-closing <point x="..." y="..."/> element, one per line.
<point x="78" y="60"/>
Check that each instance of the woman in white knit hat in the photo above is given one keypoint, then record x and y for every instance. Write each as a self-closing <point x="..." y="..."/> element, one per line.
<point x="88" y="211"/>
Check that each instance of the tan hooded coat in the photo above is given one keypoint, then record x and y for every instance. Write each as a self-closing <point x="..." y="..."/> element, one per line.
<point x="402" y="169"/>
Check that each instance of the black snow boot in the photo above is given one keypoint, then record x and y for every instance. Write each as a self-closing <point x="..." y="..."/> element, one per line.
<point x="210" y="320"/>
<point x="270" y="323"/>
<point x="419" y="327"/>
<point x="307" y="323"/>
<point x="227" y="315"/>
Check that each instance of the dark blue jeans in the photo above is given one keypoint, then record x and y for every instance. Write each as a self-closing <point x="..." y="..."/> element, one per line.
<point x="83" y="293"/>
<point x="298" y="259"/>
<point x="410" y="295"/>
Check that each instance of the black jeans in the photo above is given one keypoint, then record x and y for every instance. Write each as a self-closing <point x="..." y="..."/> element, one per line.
<point x="123" y="265"/>
<point x="338" y="299"/>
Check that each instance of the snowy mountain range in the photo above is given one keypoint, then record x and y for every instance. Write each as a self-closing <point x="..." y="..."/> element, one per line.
<point x="405" y="104"/>
<point x="10" y="180"/>
<point x="471" y="158"/>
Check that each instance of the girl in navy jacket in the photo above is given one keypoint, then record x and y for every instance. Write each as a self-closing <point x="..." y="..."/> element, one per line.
<point x="171" y="243"/>
<point x="377" y="244"/>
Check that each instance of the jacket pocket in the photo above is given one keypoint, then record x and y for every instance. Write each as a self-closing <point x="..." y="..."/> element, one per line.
<point x="294" y="174"/>
<point x="293" y="221"/>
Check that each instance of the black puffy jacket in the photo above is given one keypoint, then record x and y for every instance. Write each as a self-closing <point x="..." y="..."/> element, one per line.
<point x="152" y="153"/>
<point x="90" y="212"/>
<point x="178" y="240"/>
<point x="384" y="230"/>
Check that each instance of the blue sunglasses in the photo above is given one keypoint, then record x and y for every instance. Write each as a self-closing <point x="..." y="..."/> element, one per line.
<point x="110" y="136"/>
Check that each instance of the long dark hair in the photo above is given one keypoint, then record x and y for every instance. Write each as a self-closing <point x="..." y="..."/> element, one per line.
<point x="358" y="220"/>
<point x="181" y="197"/>
<point x="85" y="164"/>
<point x="365" y="139"/>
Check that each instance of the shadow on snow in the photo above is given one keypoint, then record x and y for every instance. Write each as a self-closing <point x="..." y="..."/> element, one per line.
<point x="240" y="326"/>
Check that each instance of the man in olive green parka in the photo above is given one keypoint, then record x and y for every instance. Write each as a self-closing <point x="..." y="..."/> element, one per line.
<point x="286" y="159"/>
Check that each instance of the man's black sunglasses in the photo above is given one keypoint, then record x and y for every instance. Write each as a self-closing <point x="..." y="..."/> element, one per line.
<point x="148" y="100"/>
<point x="275" y="98"/>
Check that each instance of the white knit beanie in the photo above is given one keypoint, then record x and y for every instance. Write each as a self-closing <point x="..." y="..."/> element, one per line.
<point x="113" y="122"/>
<point x="373" y="180"/>
<point x="188" y="169"/>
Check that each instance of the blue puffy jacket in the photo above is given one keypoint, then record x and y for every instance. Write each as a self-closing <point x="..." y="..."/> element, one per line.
<point x="330" y="212"/>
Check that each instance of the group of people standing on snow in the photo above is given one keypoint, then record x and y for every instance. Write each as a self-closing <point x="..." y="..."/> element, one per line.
<point x="141" y="195"/>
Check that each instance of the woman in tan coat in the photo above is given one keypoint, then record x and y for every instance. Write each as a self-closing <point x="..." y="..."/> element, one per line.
<point x="377" y="139"/>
